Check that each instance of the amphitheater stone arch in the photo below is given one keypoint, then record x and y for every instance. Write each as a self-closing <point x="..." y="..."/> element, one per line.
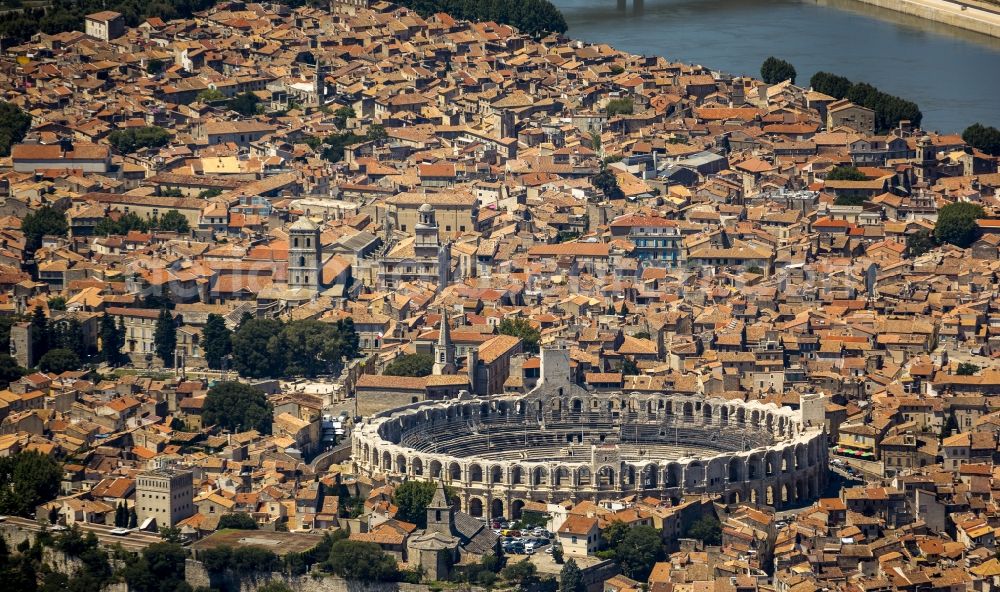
<point x="581" y="445"/>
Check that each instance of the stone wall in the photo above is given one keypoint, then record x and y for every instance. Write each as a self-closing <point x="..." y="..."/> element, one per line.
<point x="948" y="12"/>
<point x="196" y="575"/>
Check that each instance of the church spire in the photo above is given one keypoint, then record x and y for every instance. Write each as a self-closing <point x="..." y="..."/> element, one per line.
<point x="444" y="350"/>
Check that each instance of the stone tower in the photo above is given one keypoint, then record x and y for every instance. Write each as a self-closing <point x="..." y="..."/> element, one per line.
<point x="427" y="241"/>
<point x="440" y="514"/>
<point x="444" y="349"/>
<point x="305" y="264"/>
<point x="926" y="160"/>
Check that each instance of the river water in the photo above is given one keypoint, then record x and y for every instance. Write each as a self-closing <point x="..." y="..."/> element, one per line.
<point x="952" y="74"/>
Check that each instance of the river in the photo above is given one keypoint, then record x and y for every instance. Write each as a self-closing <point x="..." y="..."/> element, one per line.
<point x="952" y="74"/>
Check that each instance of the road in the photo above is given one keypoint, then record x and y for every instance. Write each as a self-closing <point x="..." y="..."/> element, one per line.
<point x="135" y="541"/>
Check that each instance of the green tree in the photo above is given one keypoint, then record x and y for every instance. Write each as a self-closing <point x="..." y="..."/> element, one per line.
<point x="57" y="303"/>
<point x="14" y="124"/>
<point x="522" y="573"/>
<point x="41" y="337"/>
<point x="919" y="243"/>
<point x="121" y="224"/>
<point x="376" y="133"/>
<point x="845" y="173"/>
<point x="29" y="480"/>
<point x="629" y="367"/>
<point x="170" y="534"/>
<point x="9" y="370"/>
<point x="533" y="17"/>
<point x="154" y="66"/>
<point x="174" y="221"/>
<point x="112" y="341"/>
<point x="160" y="568"/>
<point x="310" y="348"/>
<point x="640" y="549"/>
<point x="216" y="339"/>
<point x="707" y="529"/>
<point x="127" y="141"/>
<point x="210" y="95"/>
<point x="619" y="107"/>
<point x="57" y="361"/>
<point x="981" y="137"/>
<point x="44" y="221"/>
<point x="251" y="356"/>
<point x="607" y="183"/>
<point x="412" y="499"/>
<point x="613" y="535"/>
<point x="830" y="84"/>
<point x="967" y="369"/>
<point x="956" y="224"/>
<point x="165" y="337"/>
<point x="245" y="104"/>
<point x="410" y="365"/>
<point x="341" y="115"/>
<point x="238" y="407"/>
<point x="133" y="518"/>
<point x="359" y="561"/>
<point x="238" y="520"/>
<point x="121" y="515"/>
<point x="557" y="554"/>
<point x="522" y="328"/>
<point x="773" y="71"/>
<point x="570" y="577"/>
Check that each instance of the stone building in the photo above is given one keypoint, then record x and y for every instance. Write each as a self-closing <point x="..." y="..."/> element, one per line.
<point x="165" y="496"/>
<point x="562" y="442"/>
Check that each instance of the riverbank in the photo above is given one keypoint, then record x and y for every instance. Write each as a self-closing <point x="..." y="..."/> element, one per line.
<point x="957" y="14"/>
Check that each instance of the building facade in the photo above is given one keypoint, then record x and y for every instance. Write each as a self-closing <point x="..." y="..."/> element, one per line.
<point x="165" y="495"/>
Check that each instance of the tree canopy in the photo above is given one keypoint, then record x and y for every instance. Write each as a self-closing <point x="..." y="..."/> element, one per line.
<point x="44" y="221"/>
<point x="967" y="369"/>
<point x="534" y="17"/>
<point x="14" y="124"/>
<point x="245" y="104"/>
<point x="237" y="520"/>
<point x="639" y="550"/>
<point x="889" y="109"/>
<point x="412" y="498"/>
<point x="773" y="71"/>
<point x="619" y="107"/>
<point x="707" y="529"/>
<point x="845" y="173"/>
<point x="216" y="339"/>
<point x="127" y="141"/>
<point x="9" y="370"/>
<point x="173" y="221"/>
<point x="956" y="224"/>
<point x="410" y="365"/>
<point x="607" y="183"/>
<point x="238" y="407"/>
<point x="165" y="337"/>
<point x="59" y="360"/>
<point x="919" y="243"/>
<point x="112" y="341"/>
<point x="366" y="562"/>
<point x="985" y="138"/>
<point x="570" y="577"/>
<point x="269" y="348"/>
<point x="29" y="479"/>
<point x="521" y="327"/>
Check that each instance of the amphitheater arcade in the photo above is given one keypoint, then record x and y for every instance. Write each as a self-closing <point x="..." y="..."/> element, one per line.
<point x="562" y="442"/>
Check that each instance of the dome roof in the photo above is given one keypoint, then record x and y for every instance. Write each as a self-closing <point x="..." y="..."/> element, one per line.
<point x="303" y="223"/>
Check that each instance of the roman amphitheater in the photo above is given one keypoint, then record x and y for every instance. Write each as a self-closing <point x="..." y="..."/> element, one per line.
<point x="561" y="442"/>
